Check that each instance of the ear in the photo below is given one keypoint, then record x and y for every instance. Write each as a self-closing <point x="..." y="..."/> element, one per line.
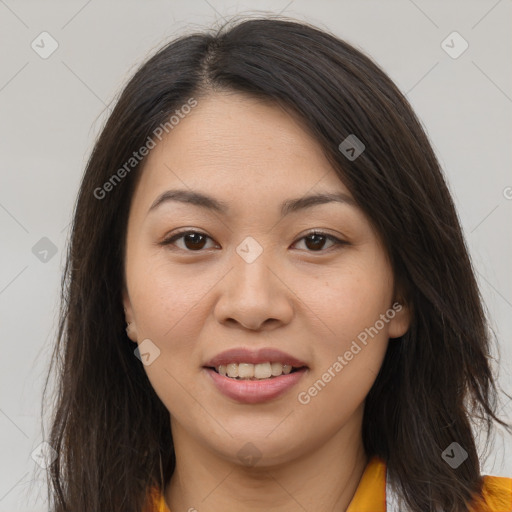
<point x="401" y="321"/>
<point x="131" y="329"/>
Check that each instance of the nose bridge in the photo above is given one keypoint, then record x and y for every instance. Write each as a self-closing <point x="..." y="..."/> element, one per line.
<point x="252" y="264"/>
<point x="250" y="250"/>
<point x="253" y="293"/>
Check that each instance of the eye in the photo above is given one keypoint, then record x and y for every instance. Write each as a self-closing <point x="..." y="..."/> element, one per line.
<point x="194" y="241"/>
<point x="315" y="241"/>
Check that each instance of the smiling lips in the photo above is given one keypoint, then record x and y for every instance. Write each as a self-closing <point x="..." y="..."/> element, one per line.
<point x="254" y="376"/>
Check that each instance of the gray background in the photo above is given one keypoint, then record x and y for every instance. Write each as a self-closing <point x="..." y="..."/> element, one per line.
<point x="52" y="109"/>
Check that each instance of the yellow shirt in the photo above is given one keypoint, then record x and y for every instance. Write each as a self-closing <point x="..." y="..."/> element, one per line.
<point x="370" y="495"/>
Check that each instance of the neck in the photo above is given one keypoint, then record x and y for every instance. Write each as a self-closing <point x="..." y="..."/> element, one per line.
<point x="323" y="478"/>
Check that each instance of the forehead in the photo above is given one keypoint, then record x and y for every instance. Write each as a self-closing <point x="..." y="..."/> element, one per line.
<point x="232" y="143"/>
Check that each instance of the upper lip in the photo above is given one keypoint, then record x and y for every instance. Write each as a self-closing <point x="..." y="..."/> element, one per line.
<point x="262" y="355"/>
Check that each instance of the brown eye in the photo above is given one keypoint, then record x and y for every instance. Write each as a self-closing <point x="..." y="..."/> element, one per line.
<point x="315" y="241"/>
<point x="193" y="240"/>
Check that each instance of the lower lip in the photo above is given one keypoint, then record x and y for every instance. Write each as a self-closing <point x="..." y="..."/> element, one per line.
<point x="255" y="391"/>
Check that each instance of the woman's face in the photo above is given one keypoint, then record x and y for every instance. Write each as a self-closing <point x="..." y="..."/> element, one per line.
<point x="254" y="280"/>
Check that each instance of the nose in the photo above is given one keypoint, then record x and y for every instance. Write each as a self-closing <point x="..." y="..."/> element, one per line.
<point x="254" y="295"/>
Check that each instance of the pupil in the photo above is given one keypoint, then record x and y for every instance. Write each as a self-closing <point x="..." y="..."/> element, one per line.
<point x="194" y="237"/>
<point x="318" y="241"/>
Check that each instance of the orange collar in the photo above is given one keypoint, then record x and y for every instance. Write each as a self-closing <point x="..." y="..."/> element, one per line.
<point x="370" y="495"/>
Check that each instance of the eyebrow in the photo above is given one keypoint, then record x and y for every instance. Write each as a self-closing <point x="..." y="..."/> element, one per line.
<point x="210" y="203"/>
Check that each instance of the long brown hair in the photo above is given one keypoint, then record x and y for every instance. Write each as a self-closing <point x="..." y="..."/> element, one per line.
<point x="110" y="430"/>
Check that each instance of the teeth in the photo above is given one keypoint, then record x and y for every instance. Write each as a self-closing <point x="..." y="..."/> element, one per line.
<point x="254" y="371"/>
<point x="276" y="369"/>
<point x="245" y="371"/>
<point x="262" y="370"/>
<point x="232" y="370"/>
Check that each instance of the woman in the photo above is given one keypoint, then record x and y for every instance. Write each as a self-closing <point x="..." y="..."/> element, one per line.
<point x="269" y="304"/>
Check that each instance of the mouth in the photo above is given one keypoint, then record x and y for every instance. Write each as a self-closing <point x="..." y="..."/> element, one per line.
<point x="249" y="376"/>
<point x="247" y="389"/>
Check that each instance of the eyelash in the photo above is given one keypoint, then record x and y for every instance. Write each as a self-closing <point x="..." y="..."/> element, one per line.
<point x="181" y="234"/>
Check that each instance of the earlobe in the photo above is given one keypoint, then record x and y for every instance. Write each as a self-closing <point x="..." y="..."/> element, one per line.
<point x="131" y="332"/>
<point x="131" y="329"/>
<point x="401" y="320"/>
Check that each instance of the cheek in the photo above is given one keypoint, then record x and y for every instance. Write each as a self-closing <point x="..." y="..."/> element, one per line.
<point x="348" y="358"/>
<point x="349" y="355"/>
<point x="168" y="297"/>
<point x="170" y="311"/>
<point x="351" y="299"/>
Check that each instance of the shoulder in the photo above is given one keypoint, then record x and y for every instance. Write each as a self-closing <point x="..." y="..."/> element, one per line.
<point x="496" y="494"/>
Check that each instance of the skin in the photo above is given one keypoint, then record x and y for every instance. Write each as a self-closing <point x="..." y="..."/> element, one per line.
<point x="194" y="300"/>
